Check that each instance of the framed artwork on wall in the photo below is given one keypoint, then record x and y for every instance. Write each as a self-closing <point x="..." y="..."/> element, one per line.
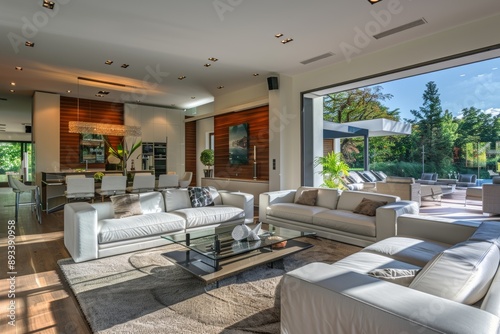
<point x="238" y="144"/>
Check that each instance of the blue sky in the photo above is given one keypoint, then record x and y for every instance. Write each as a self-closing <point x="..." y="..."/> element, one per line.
<point x="473" y="85"/>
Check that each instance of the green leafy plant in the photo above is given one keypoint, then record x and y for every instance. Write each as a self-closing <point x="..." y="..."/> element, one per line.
<point x="98" y="176"/>
<point x="207" y="157"/>
<point x="122" y="151"/>
<point x="334" y="169"/>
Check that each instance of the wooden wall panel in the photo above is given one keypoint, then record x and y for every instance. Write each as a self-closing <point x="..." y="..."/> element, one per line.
<point x="88" y="111"/>
<point x="328" y="146"/>
<point x="190" y="150"/>
<point x="258" y="123"/>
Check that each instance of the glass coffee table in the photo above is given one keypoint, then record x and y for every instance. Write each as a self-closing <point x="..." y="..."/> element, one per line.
<point x="212" y="254"/>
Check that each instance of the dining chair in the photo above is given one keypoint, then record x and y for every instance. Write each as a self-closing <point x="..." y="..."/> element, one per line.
<point x="142" y="183"/>
<point x="112" y="185"/>
<point x="80" y="188"/>
<point x="185" y="180"/>
<point x="168" y="181"/>
<point x="19" y="188"/>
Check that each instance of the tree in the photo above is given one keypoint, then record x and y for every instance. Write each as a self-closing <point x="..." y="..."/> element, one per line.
<point x="357" y="105"/>
<point x="433" y="130"/>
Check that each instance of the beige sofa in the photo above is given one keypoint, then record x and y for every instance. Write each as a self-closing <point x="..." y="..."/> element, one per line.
<point x="332" y="215"/>
<point x="447" y="282"/>
<point x="404" y="187"/>
<point x="491" y="197"/>
<point x="91" y="231"/>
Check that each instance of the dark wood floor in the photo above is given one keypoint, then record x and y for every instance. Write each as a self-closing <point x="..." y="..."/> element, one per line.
<point x="45" y="305"/>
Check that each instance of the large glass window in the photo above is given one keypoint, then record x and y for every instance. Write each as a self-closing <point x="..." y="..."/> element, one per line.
<point x="453" y="108"/>
<point x="16" y="158"/>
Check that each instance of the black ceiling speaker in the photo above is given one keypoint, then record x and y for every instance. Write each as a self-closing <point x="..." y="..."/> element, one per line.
<point x="27" y="128"/>
<point x="272" y="83"/>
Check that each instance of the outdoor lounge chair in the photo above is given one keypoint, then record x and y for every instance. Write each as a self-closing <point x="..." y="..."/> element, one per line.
<point x="466" y="180"/>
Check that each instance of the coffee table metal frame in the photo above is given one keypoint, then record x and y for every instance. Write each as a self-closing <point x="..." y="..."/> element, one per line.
<point x="212" y="254"/>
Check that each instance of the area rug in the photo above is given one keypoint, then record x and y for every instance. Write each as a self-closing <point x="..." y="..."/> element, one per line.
<point x="143" y="292"/>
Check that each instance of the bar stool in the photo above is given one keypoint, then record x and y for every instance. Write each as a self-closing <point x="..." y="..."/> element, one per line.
<point x="19" y="187"/>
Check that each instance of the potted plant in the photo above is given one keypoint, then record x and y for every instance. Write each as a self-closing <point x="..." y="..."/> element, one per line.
<point x="207" y="159"/>
<point x="334" y="169"/>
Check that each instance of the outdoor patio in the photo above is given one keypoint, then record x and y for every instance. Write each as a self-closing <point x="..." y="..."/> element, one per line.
<point x="452" y="206"/>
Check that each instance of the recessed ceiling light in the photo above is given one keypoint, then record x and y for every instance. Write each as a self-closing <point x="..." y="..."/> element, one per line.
<point x="29" y="44"/>
<point x="48" y="4"/>
<point x="213" y="59"/>
<point x="68" y="91"/>
<point x="374" y="1"/>
<point x="99" y="95"/>
<point x="207" y="65"/>
<point x="103" y="92"/>
<point x="12" y="83"/>
<point x="12" y="91"/>
<point x="220" y="87"/>
<point x="193" y="97"/>
<point x="18" y="68"/>
<point x="288" y="40"/>
<point x="125" y="65"/>
<point x="278" y="35"/>
<point x="255" y="74"/>
<point x="182" y="77"/>
<point x="108" y="62"/>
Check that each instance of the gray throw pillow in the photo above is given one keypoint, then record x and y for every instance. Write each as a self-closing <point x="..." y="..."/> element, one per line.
<point x="394" y="275"/>
<point x="308" y="197"/>
<point x="126" y="205"/>
<point x="200" y="197"/>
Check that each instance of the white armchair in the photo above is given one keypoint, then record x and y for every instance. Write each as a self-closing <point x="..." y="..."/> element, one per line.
<point x="186" y="180"/>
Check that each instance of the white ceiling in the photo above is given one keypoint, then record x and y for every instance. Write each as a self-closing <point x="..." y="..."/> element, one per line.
<point x="162" y="40"/>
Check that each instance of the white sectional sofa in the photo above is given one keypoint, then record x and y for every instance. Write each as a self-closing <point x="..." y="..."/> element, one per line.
<point x="332" y="215"/>
<point x="91" y="231"/>
<point x="449" y="283"/>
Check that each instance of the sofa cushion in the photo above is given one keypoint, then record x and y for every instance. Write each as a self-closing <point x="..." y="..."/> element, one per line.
<point x="111" y="230"/>
<point x="210" y="215"/>
<point x="467" y="268"/>
<point x="126" y="205"/>
<point x="346" y="221"/>
<point x="308" y="197"/>
<point x="200" y="196"/>
<point x="364" y="262"/>
<point x="413" y="250"/>
<point x="349" y="200"/>
<point x="394" y="275"/>
<point x="152" y="202"/>
<point x="176" y="199"/>
<point x="487" y="231"/>
<point x="327" y="197"/>
<point x="368" y="207"/>
<point x="295" y="212"/>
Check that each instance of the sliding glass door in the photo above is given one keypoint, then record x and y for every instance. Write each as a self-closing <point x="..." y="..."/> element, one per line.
<point x="16" y="159"/>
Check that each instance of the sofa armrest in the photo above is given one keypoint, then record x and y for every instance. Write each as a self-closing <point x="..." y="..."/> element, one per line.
<point x="240" y="200"/>
<point x="272" y="197"/>
<point x="80" y="231"/>
<point x="387" y="217"/>
<point x="322" y="298"/>
<point x="444" y="230"/>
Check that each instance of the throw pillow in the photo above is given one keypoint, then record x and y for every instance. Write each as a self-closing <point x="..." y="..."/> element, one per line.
<point x="368" y="207"/>
<point x="398" y="276"/>
<point x="126" y="205"/>
<point x="308" y="197"/>
<point x="200" y="197"/>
